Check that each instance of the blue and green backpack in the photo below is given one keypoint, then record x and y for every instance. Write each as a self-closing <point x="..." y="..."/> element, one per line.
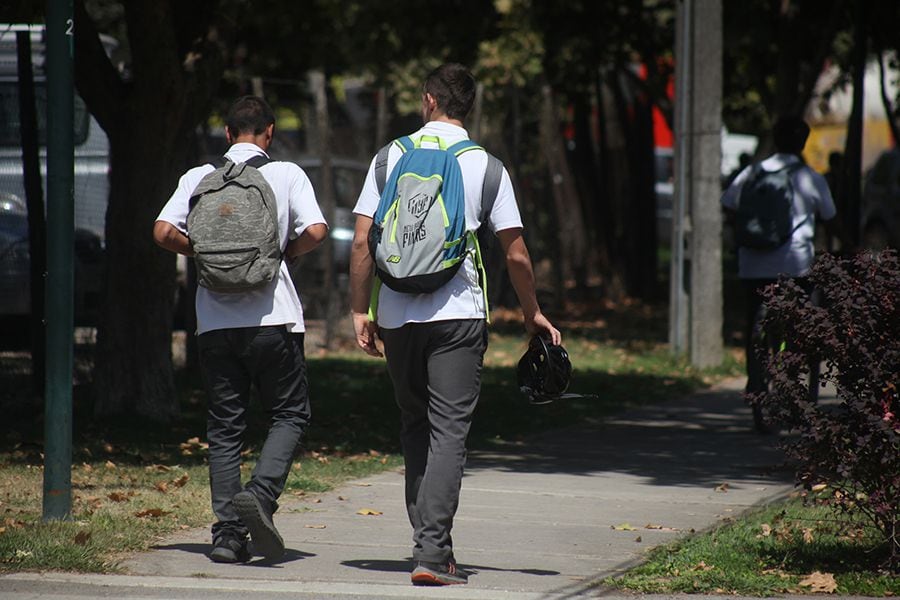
<point x="419" y="239"/>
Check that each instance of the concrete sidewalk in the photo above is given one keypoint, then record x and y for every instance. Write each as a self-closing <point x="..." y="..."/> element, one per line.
<point x="544" y="519"/>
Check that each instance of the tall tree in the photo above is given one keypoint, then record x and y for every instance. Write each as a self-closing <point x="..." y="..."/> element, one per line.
<point x="149" y="115"/>
<point x="616" y="185"/>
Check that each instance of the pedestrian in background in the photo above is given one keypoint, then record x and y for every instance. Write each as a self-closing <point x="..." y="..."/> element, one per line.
<point x="754" y="198"/>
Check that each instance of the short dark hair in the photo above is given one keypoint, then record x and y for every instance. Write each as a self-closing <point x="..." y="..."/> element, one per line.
<point x="453" y="88"/>
<point x="790" y="134"/>
<point x="249" y="114"/>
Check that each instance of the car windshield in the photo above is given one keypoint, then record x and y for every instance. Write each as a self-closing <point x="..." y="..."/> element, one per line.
<point x="10" y="131"/>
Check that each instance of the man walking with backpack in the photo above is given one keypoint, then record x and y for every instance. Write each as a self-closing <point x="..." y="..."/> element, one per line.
<point x="417" y="232"/>
<point x="237" y="218"/>
<point x="775" y="204"/>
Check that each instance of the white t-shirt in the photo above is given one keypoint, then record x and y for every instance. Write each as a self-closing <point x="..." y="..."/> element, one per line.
<point x="277" y="303"/>
<point x="812" y="198"/>
<point x="461" y="297"/>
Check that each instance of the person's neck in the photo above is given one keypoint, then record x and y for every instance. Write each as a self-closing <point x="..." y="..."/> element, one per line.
<point x="259" y="141"/>
<point x="442" y="118"/>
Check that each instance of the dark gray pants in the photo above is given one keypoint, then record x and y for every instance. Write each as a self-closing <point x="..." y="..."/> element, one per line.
<point x="436" y="371"/>
<point x="231" y="360"/>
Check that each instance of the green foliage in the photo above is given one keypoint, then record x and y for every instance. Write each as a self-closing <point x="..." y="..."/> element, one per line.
<point x="854" y="447"/>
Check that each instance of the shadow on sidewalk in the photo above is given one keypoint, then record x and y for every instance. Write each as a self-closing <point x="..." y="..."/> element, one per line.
<point x="699" y="440"/>
<point x="405" y="566"/>
<point x="290" y="555"/>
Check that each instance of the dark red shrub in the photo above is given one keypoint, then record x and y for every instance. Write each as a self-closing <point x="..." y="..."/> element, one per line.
<point x="853" y="446"/>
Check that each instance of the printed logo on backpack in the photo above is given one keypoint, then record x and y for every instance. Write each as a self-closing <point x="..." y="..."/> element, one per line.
<point x="233" y="228"/>
<point x="419" y="238"/>
<point x="765" y="213"/>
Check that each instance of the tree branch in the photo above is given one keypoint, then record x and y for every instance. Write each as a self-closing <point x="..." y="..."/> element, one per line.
<point x="97" y="80"/>
<point x="206" y="62"/>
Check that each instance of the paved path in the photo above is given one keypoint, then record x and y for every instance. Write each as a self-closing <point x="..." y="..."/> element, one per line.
<point x="542" y="519"/>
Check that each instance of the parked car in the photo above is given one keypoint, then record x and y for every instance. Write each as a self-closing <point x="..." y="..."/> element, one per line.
<point x="91" y="185"/>
<point x="880" y="219"/>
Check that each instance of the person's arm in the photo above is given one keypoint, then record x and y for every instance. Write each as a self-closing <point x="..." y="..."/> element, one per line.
<point x="361" y="265"/>
<point x="308" y="241"/>
<point x="167" y="236"/>
<point x="521" y="274"/>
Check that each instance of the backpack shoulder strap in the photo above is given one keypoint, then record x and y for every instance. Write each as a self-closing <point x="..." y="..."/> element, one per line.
<point x="463" y="146"/>
<point x="258" y="161"/>
<point x="218" y="162"/>
<point x="491" y="186"/>
<point x="381" y="159"/>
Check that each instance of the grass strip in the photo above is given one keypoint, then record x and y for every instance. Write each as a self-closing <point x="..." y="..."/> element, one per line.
<point x="797" y="547"/>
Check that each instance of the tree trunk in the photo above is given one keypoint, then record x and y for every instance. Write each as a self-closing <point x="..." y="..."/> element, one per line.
<point x="134" y="373"/>
<point x="570" y="223"/>
<point x="149" y="121"/>
<point x="326" y="195"/>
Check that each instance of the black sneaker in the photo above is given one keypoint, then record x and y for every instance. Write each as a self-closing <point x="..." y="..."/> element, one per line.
<point x="229" y="548"/>
<point x="429" y="573"/>
<point x="266" y="539"/>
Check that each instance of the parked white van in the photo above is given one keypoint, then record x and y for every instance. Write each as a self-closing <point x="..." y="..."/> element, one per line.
<point x="91" y="185"/>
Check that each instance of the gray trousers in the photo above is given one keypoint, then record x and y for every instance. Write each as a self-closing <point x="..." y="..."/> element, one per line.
<point x="231" y="361"/>
<point x="436" y="371"/>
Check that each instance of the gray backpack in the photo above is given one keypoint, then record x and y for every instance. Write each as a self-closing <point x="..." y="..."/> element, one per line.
<point x="233" y="228"/>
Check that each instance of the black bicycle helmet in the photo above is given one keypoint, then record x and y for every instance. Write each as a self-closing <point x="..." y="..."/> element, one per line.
<point x="544" y="371"/>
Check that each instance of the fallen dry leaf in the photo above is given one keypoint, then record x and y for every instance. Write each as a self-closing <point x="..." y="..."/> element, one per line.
<point x="624" y="527"/>
<point x="314" y="526"/>
<point x="110" y="464"/>
<point x="316" y="501"/>
<point x="2" y="530"/>
<point x="659" y="527"/>
<point x="152" y="512"/>
<point x="722" y="487"/>
<point x="819" y="487"/>
<point x="819" y="582"/>
<point x="369" y="512"/>
<point x="82" y="538"/>
<point x="766" y="529"/>
<point x="702" y="566"/>
<point x="638" y="539"/>
<point x="181" y="480"/>
<point x="807" y="535"/>
<point x="162" y="486"/>
<point x="364" y="485"/>
<point x="117" y="497"/>
<point x="342" y="498"/>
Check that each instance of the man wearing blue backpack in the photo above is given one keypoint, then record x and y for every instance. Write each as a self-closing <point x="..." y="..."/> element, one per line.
<point x="775" y="204"/>
<point x="424" y="198"/>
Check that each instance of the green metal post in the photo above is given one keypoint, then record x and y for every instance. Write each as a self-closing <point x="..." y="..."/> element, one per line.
<point x="60" y="246"/>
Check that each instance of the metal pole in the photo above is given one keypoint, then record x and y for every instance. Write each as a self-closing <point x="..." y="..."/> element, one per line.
<point x="678" y="316"/>
<point x="60" y="244"/>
